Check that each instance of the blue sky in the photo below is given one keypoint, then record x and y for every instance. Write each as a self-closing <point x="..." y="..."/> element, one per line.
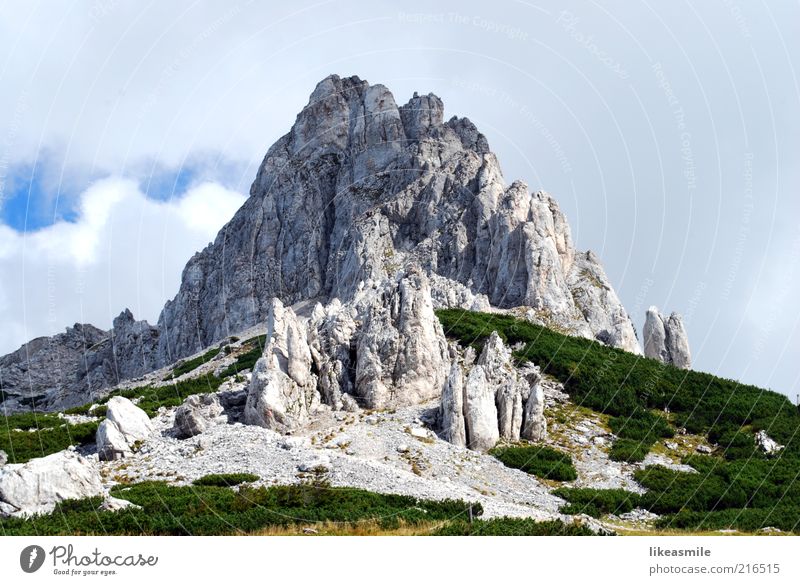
<point x="668" y="132"/>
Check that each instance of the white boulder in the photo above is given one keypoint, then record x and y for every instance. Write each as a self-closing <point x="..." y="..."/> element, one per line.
<point x="37" y="486"/>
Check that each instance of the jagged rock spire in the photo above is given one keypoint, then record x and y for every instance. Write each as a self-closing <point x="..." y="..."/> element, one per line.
<point x="665" y="339"/>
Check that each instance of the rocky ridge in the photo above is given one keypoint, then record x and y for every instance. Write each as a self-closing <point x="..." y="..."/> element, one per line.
<point x="361" y="204"/>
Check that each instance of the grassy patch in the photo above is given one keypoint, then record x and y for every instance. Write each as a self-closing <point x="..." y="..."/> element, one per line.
<point x="22" y="446"/>
<point x="513" y="527"/>
<point x="226" y="479"/>
<point x="196" y="510"/>
<point x="597" y="503"/>
<point x="30" y="420"/>
<point x="540" y="461"/>
<point x="193" y="364"/>
<point x="629" y="450"/>
<point x="248" y="359"/>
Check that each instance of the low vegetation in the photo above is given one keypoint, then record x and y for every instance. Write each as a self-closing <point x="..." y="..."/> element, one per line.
<point x="637" y="433"/>
<point x="513" y="527"/>
<point x="193" y="364"/>
<point x="597" y="503"/>
<point x="208" y="510"/>
<point x="226" y="479"/>
<point x="537" y="460"/>
<point x="23" y="445"/>
<point x="245" y="361"/>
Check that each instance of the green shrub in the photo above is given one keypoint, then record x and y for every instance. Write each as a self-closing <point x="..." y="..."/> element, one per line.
<point x="597" y="503"/>
<point x="248" y="359"/>
<point x="22" y="446"/>
<point x="226" y="479"/>
<point x="192" y="364"/>
<point x="629" y="450"/>
<point x="749" y="520"/>
<point x="30" y="420"/>
<point x="540" y="461"/>
<point x="512" y="527"/>
<point x="205" y="510"/>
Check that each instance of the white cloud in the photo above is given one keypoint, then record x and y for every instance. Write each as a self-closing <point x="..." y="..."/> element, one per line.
<point x="123" y="250"/>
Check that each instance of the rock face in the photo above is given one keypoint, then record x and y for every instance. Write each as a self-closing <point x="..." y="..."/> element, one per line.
<point x="451" y="411"/>
<point x="402" y="351"/>
<point x="534" y="425"/>
<point x="283" y="390"/>
<point x="496" y="400"/>
<point x="70" y="368"/>
<point x="480" y="412"/>
<point x="359" y="195"/>
<point x="37" y="486"/>
<point x="40" y="372"/>
<point x="125" y="424"/>
<point x="357" y="187"/>
<point x="129" y="351"/>
<point x="197" y="413"/>
<point x="665" y="339"/>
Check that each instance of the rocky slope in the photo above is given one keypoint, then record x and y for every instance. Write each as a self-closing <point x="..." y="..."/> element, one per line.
<point x="357" y="205"/>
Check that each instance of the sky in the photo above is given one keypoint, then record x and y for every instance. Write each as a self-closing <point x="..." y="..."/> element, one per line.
<point x="669" y="133"/>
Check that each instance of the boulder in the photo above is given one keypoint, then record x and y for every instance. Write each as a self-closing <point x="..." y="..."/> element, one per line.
<point x="196" y="414"/>
<point x="132" y="421"/>
<point x="112" y="504"/>
<point x="125" y="425"/>
<point x="3" y="458"/>
<point x="111" y="443"/>
<point x="767" y="444"/>
<point x="317" y="463"/>
<point x="37" y="486"/>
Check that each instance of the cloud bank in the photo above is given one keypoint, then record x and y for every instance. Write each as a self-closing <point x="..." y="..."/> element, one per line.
<point x="123" y="250"/>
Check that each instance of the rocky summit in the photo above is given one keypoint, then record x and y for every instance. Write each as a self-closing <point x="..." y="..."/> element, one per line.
<point x="362" y="219"/>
